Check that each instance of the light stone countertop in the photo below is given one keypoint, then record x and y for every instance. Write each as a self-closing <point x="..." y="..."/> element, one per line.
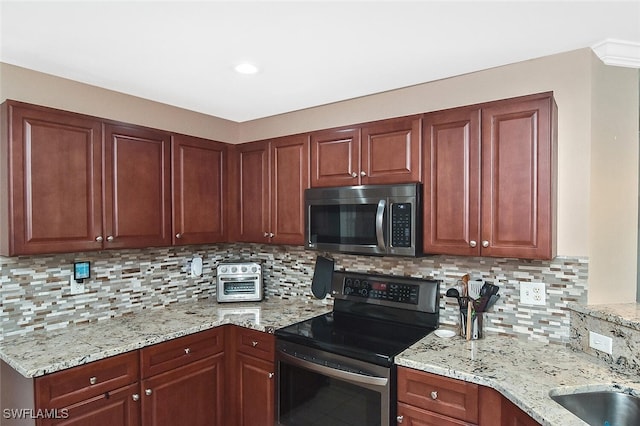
<point x="48" y="351"/>
<point x="523" y="371"/>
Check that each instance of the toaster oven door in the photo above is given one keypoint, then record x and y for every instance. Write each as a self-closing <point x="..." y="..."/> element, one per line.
<point x="239" y="289"/>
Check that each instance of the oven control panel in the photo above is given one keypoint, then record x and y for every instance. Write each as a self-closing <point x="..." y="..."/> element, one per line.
<point x="381" y="290"/>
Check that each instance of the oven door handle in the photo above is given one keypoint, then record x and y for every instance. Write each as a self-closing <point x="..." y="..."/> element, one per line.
<point x="379" y="224"/>
<point x="335" y="373"/>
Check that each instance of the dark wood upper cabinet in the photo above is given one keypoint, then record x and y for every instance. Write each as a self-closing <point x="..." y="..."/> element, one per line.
<point x="490" y="179"/>
<point x="452" y="182"/>
<point x="391" y="151"/>
<point x="382" y="152"/>
<point x="137" y="187"/>
<point x="251" y="217"/>
<point x="270" y="177"/>
<point x="198" y="183"/>
<point x="289" y="179"/>
<point x="51" y="197"/>
<point x="335" y="157"/>
<point x="519" y="168"/>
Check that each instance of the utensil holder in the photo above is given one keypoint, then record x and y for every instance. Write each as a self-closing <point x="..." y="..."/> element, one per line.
<point x="476" y="325"/>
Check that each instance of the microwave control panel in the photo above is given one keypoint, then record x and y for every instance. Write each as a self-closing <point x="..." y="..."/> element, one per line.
<point x="381" y="290"/>
<point x="401" y="225"/>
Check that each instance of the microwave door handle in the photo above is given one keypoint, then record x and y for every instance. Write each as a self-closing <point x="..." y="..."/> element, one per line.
<point x="382" y="204"/>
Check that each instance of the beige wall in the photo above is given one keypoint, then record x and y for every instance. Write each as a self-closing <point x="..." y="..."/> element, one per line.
<point x="613" y="186"/>
<point x="591" y="98"/>
<point x="43" y="89"/>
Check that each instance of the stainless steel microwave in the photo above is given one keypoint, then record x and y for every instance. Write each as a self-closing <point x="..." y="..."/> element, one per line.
<point x="366" y="219"/>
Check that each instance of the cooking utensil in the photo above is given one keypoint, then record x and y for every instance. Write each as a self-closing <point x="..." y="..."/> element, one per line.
<point x="465" y="285"/>
<point x="453" y="292"/>
<point x="492" y="300"/>
<point x="474" y="288"/>
<point x="469" y="319"/>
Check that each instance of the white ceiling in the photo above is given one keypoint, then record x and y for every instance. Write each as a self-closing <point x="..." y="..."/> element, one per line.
<point x="309" y="53"/>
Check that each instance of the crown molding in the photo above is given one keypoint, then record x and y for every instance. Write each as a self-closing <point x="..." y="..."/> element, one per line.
<point x="619" y="53"/>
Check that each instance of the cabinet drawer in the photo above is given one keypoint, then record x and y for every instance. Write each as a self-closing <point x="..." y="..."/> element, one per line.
<point x="409" y="415"/>
<point x="255" y="343"/>
<point x="453" y="398"/>
<point x="178" y="352"/>
<point x="70" y="386"/>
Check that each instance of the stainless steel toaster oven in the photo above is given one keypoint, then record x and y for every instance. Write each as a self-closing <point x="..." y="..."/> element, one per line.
<point x="239" y="282"/>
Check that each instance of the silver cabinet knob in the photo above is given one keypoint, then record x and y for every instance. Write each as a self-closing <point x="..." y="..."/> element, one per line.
<point x="93" y="380"/>
<point x="473" y="243"/>
<point x="178" y="235"/>
<point x="148" y="392"/>
<point x="434" y="395"/>
<point x="254" y="343"/>
<point x="271" y="375"/>
<point x="187" y="351"/>
<point x="266" y="235"/>
<point x="99" y="238"/>
<point x="485" y="244"/>
<point x="110" y="238"/>
<point x="271" y="234"/>
<point x="363" y="173"/>
<point x="135" y="397"/>
<point x="400" y="419"/>
<point x="354" y="174"/>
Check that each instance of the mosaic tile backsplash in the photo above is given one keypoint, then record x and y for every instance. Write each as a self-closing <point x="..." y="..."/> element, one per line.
<point x="35" y="291"/>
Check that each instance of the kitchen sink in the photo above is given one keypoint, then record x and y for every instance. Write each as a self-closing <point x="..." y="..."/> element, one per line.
<point x="602" y="407"/>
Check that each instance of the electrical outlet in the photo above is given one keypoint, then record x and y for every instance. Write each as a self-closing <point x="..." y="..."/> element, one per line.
<point x="533" y="293"/>
<point x="76" y="287"/>
<point x="600" y="342"/>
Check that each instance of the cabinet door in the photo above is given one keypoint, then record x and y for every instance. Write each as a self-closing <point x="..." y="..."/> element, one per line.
<point x="452" y="182"/>
<point x="335" y="157"/>
<point x="54" y="166"/>
<point x="190" y="395"/>
<point x="137" y="187"/>
<point x="120" y="407"/>
<point x="289" y="179"/>
<point x="198" y="180"/>
<point x="252" y="185"/>
<point x="391" y="151"/>
<point x="256" y="384"/>
<point x="518" y="178"/>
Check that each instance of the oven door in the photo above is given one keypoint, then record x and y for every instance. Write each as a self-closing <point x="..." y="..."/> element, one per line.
<point x="320" y="388"/>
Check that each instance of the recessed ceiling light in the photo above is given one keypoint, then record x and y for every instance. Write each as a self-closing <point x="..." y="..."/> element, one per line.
<point x="246" y="68"/>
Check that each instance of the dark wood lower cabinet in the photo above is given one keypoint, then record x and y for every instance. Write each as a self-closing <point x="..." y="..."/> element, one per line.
<point x="256" y="383"/>
<point x="118" y="408"/>
<point x="426" y="399"/>
<point x="189" y="395"/>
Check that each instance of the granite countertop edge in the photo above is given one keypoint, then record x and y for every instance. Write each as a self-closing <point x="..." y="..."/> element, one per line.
<point x="48" y="351"/>
<point x="496" y="362"/>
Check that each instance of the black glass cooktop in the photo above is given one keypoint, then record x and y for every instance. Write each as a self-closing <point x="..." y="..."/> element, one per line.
<point x="365" y="338"/>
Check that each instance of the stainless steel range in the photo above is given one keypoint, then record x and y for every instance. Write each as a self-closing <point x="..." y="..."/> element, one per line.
<point x="338" y="368"/>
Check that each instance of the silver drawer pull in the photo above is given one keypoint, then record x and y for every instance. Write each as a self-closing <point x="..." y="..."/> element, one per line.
<point x="400" y="419"/>
<point x="271" y="375"/>
<point x="93" y="380"/>
<point x="254" y="343"/>
<point x="434" y="395"/>
<point x="187" y="351"/>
